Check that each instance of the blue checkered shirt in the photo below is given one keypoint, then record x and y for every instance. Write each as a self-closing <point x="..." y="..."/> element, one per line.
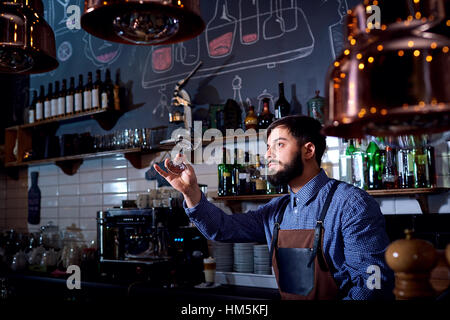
<point x="354" y="232"/>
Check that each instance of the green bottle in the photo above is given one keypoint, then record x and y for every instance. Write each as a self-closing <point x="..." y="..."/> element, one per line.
<point x="373" y="166"/>
<point x="224" y="171"/>
<point x="359" y="167"/>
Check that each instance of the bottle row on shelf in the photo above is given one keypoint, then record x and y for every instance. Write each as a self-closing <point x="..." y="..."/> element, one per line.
<point x="67" y="100"/>
<point x="246" y="174"/>
<point x="373" y="165"/>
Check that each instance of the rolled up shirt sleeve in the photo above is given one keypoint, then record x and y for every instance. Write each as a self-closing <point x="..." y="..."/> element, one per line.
<point x="216" y="225"/>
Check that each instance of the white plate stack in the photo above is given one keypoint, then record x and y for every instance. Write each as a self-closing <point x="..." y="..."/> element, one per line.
<point x="243" y="257"/>
<point x="223" y="253"/>
<point x="261" y="259"/>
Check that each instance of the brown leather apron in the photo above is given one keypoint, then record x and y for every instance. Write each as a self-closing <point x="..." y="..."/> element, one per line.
<point x="298" y="261"/>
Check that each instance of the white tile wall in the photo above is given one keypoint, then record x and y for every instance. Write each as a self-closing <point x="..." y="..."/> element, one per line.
<point x="103" y="183"/>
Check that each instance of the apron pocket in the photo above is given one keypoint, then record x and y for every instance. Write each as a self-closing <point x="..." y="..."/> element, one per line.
<point x="293" y="272"/>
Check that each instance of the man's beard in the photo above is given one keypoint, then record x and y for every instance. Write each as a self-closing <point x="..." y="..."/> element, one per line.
<point x="290" y="171"/>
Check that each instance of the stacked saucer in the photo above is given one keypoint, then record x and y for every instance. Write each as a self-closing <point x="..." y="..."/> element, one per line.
<point x="261" y="259"/>
<point x="243" y="257"/>
<point x="223" y="253"/>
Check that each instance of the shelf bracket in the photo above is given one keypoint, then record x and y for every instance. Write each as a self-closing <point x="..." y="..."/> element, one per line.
<point x="69" y="167"/>
<point x="423" y="202"/>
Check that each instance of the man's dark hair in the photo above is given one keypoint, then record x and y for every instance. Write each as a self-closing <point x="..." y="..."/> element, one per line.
<point x="304" y="129"/>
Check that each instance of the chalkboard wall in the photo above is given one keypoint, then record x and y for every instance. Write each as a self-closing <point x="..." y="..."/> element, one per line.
<point x="243" y="59"/>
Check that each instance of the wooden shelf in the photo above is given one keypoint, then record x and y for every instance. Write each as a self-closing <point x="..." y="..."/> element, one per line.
<point x="105" y="117"/>
<point x="420" y="194"/>
<point x="70" y="164"/>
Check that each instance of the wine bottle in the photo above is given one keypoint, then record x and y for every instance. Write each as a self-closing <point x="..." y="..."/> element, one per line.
<point x="87" y="93"/>
<point x="48" y="102"/>
<point x="266" y="117"/>
<point x="62" y="99"/>
<point x="282" y="106"/>
<point x="116" y="91"/>
<point x="70" y="96"/>
<point x="107" y="94"/>
<point x="236" y="169"/>
<point x="373" y="166"/>
<point x="96" y="90"/>
<point x="54" y="101"/>
<point x="32" y="109"/>
<point x="40" y="105"/>
<point x="79" y="95"/>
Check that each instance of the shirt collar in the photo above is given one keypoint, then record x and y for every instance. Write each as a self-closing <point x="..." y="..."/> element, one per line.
<point x="310" y="189"/>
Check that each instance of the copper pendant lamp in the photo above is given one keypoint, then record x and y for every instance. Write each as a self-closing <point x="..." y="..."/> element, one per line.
<point x="394" y="80"/>
<point x="143" y="22"/>
<point x="27" y="42"/>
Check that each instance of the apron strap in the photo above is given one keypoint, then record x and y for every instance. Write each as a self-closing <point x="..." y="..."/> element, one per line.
<point x="276" y="227"/>
<point x="319" y="224"/>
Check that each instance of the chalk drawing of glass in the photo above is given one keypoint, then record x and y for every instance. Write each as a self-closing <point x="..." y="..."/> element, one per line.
<point x="162" y="58"/>
<point x="249" y="21"/>
<point x="273" y="26"/>
<point x="289" y="15"/>
<point x="220" y="31"/>
<point x="336" y="30"/>
<point x="188" y="52"/>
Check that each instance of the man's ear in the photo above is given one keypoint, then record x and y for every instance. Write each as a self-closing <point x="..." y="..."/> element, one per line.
<point x="309" y="150"/>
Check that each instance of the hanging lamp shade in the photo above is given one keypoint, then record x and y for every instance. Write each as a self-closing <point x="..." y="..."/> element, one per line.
<point x="394" y="80"/>
<point x="143" y="22"/>
<point x="27" y="42"/>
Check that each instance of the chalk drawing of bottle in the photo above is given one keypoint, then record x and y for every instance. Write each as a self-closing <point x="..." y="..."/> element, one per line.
<point x="221" y="31"/>
<point x="336" y="30"/>
<point x="262" y="96"/>
<point x="162" y="58"/>
<point x="237" y="86"/>
<point x="249" y="21"/>
<point x="273" y="26"/>
<point x="288" y="12"/>
<point x="188" y="52"/>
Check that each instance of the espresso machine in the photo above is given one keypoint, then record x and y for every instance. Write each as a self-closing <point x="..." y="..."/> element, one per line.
<point x="154" y="245"/>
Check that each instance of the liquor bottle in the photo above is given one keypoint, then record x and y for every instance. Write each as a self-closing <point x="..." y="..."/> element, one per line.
<point x="54" y="101"/>
<point x="251" y="120"/>
<point x="345" y="161"/>
<point x="48" y="102"/>
<point x="422" y="168"/>
<point x="258" y="177"/>
<point x="236" y="169"/>
<point x="282" y="106"/>
<point x="270" y="188"/>
<point x="79" y="95"/>
<point x="250" y="169"/>
<point x="316" y="107"/>
<point x="62" y="99"/>
<point x="405" y="163"/>
<point x="390" y="176"/>
<point x="116" y="92"/>
<point x="242" y="174"/>
<point x="266" y="117"/>
<point x="32" y="109"/>
<point x="224" y="171"/>
<point x="107" y="94"/>
<point x="34" y="200"/>
<point x="87" y="94"/>
<point x="40" y="105"/>
<point x="359" y="165"/>
<point x="96" y="89"/>
<point x="70" y="97"/>
<point x="373" y="166"/>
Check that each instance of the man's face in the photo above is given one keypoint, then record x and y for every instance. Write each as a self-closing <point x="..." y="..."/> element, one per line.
<point x="284" y="157"/>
